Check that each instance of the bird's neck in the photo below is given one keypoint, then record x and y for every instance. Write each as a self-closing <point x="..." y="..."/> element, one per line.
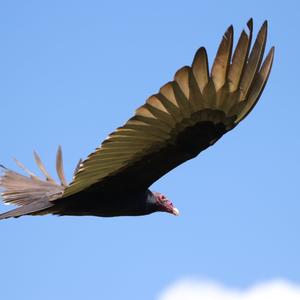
<point x="151" y="202"/>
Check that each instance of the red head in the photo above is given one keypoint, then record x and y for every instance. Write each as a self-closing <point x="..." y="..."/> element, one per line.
<point x="165" y="204"/>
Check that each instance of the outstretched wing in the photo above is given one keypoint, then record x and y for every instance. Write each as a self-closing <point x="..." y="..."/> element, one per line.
<point x="22" y="190"/>
<point x="32" y="194"/>
<point x="185" y="117"/>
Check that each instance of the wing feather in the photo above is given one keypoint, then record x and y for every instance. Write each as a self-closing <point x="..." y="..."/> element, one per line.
<point x="186" y="116"/>
<point x="254" y="61"/>
<point x="220" y="67"/>
<point x="60" y="168"/>
<point x="42" y="167"/>
<point x="239" y="58"/>
<point x="200" y="68"/>
<point x="258" y="85"/>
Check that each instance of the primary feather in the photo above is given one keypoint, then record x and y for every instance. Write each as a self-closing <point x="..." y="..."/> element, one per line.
<point x="185" y="117"/>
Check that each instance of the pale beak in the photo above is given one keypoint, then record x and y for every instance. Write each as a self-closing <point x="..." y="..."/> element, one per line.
<point x="175" y="211"/>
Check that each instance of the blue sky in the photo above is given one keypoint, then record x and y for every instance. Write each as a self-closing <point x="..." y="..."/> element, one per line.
<point x="73" y="71"/>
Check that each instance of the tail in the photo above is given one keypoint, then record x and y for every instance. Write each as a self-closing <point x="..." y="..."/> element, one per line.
<point x="32" y="194"/>
<point x="34" y="208"/>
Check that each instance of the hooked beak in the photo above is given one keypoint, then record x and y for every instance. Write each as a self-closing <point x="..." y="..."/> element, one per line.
<point x="175" y="211"/>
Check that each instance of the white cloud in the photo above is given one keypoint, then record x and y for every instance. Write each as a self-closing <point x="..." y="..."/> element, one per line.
<point x="202" y="290"/>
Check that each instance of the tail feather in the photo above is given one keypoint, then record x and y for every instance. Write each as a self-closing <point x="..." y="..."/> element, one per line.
<point x="34" y="208"/>
<point x="31" y="193"/>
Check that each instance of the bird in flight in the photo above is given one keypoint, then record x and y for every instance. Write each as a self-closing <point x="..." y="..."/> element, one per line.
<point x="185" y="117"/>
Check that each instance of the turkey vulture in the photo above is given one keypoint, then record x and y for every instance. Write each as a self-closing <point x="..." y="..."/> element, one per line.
<point x="185" y="117"/>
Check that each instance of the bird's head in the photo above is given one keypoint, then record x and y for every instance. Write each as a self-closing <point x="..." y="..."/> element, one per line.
<point x="164" y="204"/>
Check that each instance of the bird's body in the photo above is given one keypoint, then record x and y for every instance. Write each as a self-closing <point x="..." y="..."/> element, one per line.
<point x="185" y="117"/>
<point x="112" y="204"/>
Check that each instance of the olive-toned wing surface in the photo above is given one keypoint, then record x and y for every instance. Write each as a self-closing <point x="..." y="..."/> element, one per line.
<point x="186" y="116"/>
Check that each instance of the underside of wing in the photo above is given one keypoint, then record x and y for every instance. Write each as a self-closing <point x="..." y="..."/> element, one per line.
<point x="186" y="116"/>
